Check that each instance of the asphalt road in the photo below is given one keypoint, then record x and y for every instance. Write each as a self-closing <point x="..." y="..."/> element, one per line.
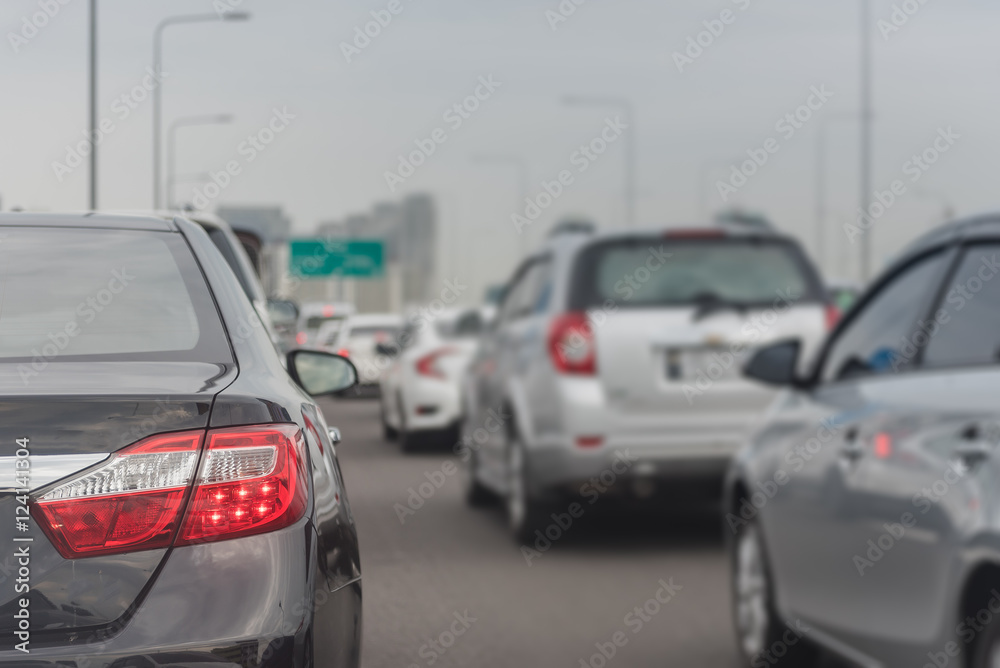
<point x="453" y="575"/>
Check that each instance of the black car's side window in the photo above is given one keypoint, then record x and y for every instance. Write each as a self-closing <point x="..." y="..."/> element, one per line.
<point x="969" y="314"/>
<point x="880" y="338"/>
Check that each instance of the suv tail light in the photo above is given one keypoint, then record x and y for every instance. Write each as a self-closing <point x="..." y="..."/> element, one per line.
<point x="251" y="480"/>
<point x="428" y="364"/>
<point x="571" y="344"/>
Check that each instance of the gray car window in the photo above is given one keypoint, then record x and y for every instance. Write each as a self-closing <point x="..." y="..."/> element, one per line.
<point x="881" y="337"/>
<point x="969" y="331"/>
<point x="82" y="294"/>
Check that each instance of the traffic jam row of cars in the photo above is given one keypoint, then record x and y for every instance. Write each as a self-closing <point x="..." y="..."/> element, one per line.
<point x="181" y="468"/>
<point x="854" y="452"/>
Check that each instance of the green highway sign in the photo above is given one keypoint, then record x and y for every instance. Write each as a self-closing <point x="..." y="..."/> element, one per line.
<point x="351" y="258"/>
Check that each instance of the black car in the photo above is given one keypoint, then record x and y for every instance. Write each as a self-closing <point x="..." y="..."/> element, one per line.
<point x="169" y="493"/>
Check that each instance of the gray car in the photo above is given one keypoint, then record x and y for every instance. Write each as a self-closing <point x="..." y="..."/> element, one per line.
<point x="613" y="365"/>
<point x="864" y="515"/>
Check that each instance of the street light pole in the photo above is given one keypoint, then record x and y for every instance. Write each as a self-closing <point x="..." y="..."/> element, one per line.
<point x="522" y="170"/>
<point x="631" y="155"/>
<point x="189" y="121"/>
<point x="866" y="134"/>
<point x="93" y="105"/>
<point x="157" y="93"/>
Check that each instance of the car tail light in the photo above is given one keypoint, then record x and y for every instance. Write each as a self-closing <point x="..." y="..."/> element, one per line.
<point x="344" y="352"/>
<point x="571" y="344"/>
<point x="589" y="441"/>
<point x="132" y="502"/>
<point x="832" y="316"/>
<point x="301" y="338"/>
<point x="252" y="480"/>
<point x="428" y="364"/>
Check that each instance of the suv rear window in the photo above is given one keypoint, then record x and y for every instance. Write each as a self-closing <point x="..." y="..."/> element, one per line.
<point x="85" y="294"/>
<point x="656" y="272"/>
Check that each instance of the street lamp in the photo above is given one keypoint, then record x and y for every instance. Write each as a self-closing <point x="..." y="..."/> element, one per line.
<point x="186" y="122"/>
<point x="158" y="69"/>
<point x="630" y="151"/>
<point x="522" y="170"/>
<point x="867" y="118"/>
<point x="93" y="105"/>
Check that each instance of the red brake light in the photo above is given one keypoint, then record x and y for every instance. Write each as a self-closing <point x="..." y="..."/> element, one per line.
<point x="301" y="338"/>
<point x="832" y="316"/>
<point x="883" y="445"/>
<point x="328" y="311"/>
<point x="571" y="344"/>
<point x="428" y="366"/>
<point x="132" y="502"/>
<point x="344" y="352"/>
<point x="252" y="480"/>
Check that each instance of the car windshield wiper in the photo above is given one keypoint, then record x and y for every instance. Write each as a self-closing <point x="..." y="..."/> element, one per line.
<point x="709" y="303"/>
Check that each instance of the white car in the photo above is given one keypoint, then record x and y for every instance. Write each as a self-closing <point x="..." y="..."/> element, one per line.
<point x="313" y="315"/>
<point x="421" y="389"/>
<point x="630" y="344"/>
<point x="359" y="338"/>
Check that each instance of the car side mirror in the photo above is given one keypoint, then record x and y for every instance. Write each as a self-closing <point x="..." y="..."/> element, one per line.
<point x="776" y="364"/>
<point x="321" y="374"/>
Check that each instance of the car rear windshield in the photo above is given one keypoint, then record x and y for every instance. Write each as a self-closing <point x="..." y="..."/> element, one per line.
<point x="655" y="271"/>
<point x="89" y="294"/>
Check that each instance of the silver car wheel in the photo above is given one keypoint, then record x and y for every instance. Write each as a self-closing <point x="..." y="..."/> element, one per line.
<point x="516" y="493"/>
<point x="752" y="617"/>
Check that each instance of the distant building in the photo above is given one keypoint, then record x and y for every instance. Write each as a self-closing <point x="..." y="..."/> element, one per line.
<point x="409" y="231"/>
<point x="417" y="246"/>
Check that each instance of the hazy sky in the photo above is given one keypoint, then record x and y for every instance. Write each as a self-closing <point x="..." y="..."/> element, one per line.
<point x="352" y="120"/>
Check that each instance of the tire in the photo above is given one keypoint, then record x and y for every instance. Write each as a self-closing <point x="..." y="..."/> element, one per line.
<point x="758" y="627"/>
<point x="389" y="432"/>
<point x="408" y="441"/>
<point x="987" y="650"/>
<point x="525" y="513"/>
<point x="476" y="495"/>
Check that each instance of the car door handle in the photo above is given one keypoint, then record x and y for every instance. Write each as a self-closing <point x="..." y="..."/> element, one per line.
<point x="973" y="452"/>
<point x="852" y="450"/>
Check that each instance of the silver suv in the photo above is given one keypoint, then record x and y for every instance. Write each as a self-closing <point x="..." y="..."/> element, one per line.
<point x="616" y="357"/>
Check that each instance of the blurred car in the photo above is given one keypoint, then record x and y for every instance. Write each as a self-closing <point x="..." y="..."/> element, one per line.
<point x="864" y="514"/>
<point x="183" y="487"/>
<point x="359" y="339"/>
<point x="313" y="315"/>
<point x="631" y="342"/>
<point x="421" y="389"/>
<point x="284" y="314"/>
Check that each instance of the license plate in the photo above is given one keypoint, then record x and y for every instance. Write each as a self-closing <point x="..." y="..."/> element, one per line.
<point x="684" y="364"/>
